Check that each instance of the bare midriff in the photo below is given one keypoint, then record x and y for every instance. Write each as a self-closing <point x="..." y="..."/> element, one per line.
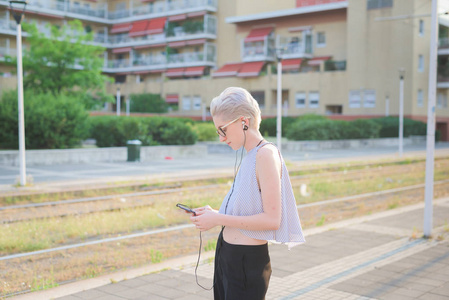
<point x="234" y="236"/>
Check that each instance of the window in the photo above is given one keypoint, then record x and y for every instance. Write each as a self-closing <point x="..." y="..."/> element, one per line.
<point x="369" y="98"/>
<point x="186" y="103"/>
<point x="320" y="39"/>
<point x="354" y="98"/>
<point x="314" y="99"/>
<point x="420" y="63"/>
<point x="375" y="4"/>
<point x="420" y="98"/>
<point x="197" y="103"/>
<point x="421" y="27"/>
<point x="300" y="100"/>
<point x="259" y="96"/>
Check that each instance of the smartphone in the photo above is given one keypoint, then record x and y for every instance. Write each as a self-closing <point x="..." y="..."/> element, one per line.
<point x="186" y="208"/>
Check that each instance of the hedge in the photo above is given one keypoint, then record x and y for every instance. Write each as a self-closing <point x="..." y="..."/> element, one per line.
<point x="50" y="122"/>
<point x="113" y="131"/>
<point x="268" y="126"/>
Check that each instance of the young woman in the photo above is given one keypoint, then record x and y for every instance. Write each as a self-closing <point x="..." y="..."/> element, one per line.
<point x="260" y="206"/>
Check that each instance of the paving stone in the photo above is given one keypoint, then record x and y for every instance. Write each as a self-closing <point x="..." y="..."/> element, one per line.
<point x="90" y="294"/>
<point x="112" y="288"/>
<point x="430" y="296"/>
<point x="130" y="294"/>
<point x="442" y="290"/>
<point x="69" y="298"/>
<point x="132" y="283"/>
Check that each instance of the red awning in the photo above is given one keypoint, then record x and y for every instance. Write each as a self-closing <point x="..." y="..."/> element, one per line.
<point x="258" y="34"/>
<point x="194" y="71"/>
<point x="178" y="72"/>
<point x="177" y="17"/>
<point x="119" y="28"/>
<point x="196" y="14"/>
<point x="196" y="42"/>
<point x="172" y="98"/>
<point x="317" y="60"/>
<point x="150" y="46"/>
<point x="139" y="28"/>
<point x="251" y="69"/>
<point x="228" y="70"/>
<point x="121" y="50"/>
<point x="177" y="44"/>
<point x="156" y="26"/>
<point x="291" y="64"/>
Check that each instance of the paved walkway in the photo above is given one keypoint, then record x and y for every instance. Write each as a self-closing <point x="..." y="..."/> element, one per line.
<point x="379" y="256"/>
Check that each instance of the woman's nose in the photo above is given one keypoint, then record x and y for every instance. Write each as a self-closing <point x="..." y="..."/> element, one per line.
<point x="222" y="138"/>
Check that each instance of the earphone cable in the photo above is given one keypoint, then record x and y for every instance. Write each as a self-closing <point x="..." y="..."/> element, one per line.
<point x="226" y="208"/>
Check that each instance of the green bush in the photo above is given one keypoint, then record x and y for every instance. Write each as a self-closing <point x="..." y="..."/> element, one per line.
<point x="313" y="130"/>
<point x="390" y="127"/>
<point x="325" y="129"/>
<point x="50" y="122"/>
<point x="113" y="131"/>
<point x="268" y="126"/>
<point x="205" y="131"/>
<point x="150" y="103"/>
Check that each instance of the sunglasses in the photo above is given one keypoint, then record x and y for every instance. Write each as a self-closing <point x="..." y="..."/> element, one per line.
<point x="220" y="130"/>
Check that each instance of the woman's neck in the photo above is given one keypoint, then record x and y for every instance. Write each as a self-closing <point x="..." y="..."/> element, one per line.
<point x="253" y="139"/>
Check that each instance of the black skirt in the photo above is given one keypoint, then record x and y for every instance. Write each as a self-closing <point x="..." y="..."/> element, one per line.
<point x="241" y="272"/>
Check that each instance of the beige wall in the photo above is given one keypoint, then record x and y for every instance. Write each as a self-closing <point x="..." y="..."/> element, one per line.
<point x="249" y="7"/>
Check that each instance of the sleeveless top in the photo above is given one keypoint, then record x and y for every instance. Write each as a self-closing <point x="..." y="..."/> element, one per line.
<point x="245" y="199"/>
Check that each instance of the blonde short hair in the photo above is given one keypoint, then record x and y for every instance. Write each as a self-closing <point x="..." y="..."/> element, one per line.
<point x="236" y="102"/>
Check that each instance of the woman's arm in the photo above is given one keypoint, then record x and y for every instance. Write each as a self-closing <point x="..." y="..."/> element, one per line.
<point x="268" y="171"/>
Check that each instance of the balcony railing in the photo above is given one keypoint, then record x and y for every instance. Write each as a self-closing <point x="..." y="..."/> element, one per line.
<point x="295" y="48"/>
<point x="7" y="51"/>
<point x="259" y="50"/>
<point x="207" y="56"/>
<point x="160" y="8"/>
<point x="101" y="10"/>
<point x="8" y="25"/>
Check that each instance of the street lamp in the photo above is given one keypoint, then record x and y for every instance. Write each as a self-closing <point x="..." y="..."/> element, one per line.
<point x="279" y="52"/>
<point x="401" y="111"/>
<point x="18" y="11"/>
<point x="118" y="101"/>
<point x="430" y="143"/>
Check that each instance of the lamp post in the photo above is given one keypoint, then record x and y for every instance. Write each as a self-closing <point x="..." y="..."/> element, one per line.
<point x="118" y="101"/>
<point x="18" y="11"/>
<point x="401" y="111"/>
<point x="430" y="146"/>
<point x="279" y="52"/>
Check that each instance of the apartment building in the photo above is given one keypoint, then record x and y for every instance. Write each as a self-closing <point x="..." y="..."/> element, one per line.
<point x="341" y="58"/>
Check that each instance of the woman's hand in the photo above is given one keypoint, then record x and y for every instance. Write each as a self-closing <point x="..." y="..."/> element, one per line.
<point x="205" y="218"/>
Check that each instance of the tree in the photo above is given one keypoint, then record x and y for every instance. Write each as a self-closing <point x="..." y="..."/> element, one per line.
<point x="65" y="63"/>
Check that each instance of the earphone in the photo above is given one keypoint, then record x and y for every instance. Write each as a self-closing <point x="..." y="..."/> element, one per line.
<point x="244" y="126"/>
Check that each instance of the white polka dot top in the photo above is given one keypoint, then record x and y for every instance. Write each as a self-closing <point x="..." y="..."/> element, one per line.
<point x="245" y="199"/>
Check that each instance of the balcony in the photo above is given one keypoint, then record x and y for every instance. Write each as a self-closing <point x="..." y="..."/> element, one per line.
<point x="295" y="47"/>
<point x="100" y="13"/>
<point x="7" y="51"/>
<point x="443" y="46"/>
<point x="204" y="30"/>
<point x="177" y="60"/>
<point x="259" y="50"/>
<point x="163" y="8"/>
<point x="7" y="25"/>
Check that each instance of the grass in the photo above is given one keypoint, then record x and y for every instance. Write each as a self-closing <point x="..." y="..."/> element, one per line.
<point x="211" y="245"/>
<point x="321" y="221"/>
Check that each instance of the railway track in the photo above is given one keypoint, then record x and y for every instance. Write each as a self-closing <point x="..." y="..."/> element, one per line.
<point x="184" y="226"/>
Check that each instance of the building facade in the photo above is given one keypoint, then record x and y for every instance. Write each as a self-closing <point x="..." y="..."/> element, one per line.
<point x="341" y="58"/>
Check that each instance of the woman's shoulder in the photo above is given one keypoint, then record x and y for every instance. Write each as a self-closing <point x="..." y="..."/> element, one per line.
<point x="267" y="152"/>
